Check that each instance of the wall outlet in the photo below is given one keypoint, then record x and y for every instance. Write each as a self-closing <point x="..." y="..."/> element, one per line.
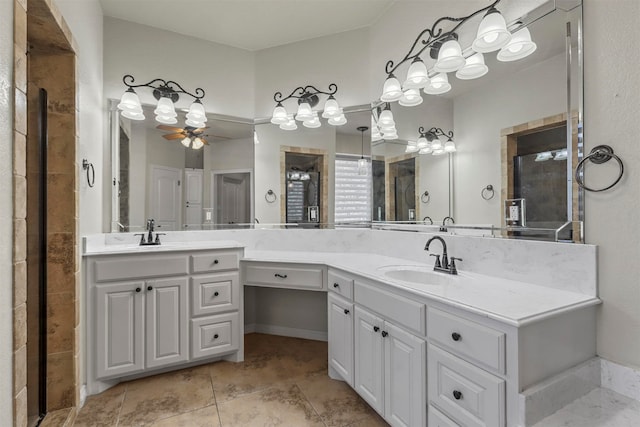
<point x="207" y="216"/>
<point x="514" y="213"/>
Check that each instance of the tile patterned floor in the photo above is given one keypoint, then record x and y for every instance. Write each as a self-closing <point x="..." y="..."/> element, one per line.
<point x="282" y="382"/>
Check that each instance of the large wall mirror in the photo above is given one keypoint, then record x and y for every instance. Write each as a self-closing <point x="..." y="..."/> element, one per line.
<point x="517" y="132"/>
<point x="183" y="178"/>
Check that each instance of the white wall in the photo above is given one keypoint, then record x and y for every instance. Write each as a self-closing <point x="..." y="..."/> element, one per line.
<point x="138" y="176"/>
<point x="6" y="210"/>
<point x="226" y="155"/>
<point x="225" y="73"/>
<point x="480" y="115"/>
<point x="612" y="113"/>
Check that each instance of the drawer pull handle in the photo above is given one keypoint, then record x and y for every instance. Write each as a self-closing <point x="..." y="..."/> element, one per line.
<point x="149" y="288"/>
<point x="281" y="276"/>
<point x="335" y="285"/>
<point x="215" y="261"/>
<point x="376" y="329"/>
<point x="384" y="334"/>
<point x="456" y="336"/>
<point x="215" y="337"/>
<point x="346" y="311"/>
<point x="216" y="293"/>
<point x="457" y="394"/>
<point x="138" y="289"/>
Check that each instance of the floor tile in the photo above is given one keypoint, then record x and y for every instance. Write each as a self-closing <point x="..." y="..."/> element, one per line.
<point x="374" y="420"/>
<point x="161" y="396"/>
<point x="204" y="417"/>
<point x="280" y="405"/>
<point x="336" y="402"/>
<point x="102" y="410"/>
<point x="56" y="418"/>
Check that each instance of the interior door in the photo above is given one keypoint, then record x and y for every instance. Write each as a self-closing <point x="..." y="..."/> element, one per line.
<point x="193" y="198"/>
<point x="233" y="198"/>
<point x="165" y="197"/>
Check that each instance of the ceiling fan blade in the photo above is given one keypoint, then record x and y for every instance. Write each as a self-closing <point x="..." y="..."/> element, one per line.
<point x="169" y="128"/>
<point x="173" y="136"/>
<point x="204" y="141"/>
<point x="200" y="130"/>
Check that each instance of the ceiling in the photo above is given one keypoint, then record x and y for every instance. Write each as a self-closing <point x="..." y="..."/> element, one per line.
<point x="250" y="24"/>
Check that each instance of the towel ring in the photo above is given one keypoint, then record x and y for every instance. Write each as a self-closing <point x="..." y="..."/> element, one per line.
<point x="270" y="196"/>
<point x="485" y="192"/>
<point x="91" y="179"/>
<point x="425" y="197"/>
<point x="427" y="218"/>
<point x="598" y="155"/>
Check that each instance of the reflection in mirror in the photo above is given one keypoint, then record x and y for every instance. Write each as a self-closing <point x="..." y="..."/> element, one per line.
<point x="183" y="178"/>
<point x="308" y="177"/>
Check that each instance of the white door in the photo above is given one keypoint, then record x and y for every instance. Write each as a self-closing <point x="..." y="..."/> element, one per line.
<point x="405" y="380"/>
<point x="341" y="336"/>
<point x="165" y="197"/>
<point x="167" y="330"/>
<point x="233" y="199"/>
<point x="193" y="198"/>
<point x="369" y="351"/>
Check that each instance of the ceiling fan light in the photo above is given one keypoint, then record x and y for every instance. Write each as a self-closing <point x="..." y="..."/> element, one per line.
<point x="331" y="108"/>
<point x="474" y="68"/>
<point x="279" y="115"/>
<point x="196" y="111"/>
<point x="449" y="146"/>
<point x="165" y="108"/>
<point x="304" y="112"/>
<point x="492" y="33"/>
<point x="410" y="98"/>
<point x="197" y="144"/>
<point x="439" y="84"/>
<point x="186" y="142"/>
<point x="391" y="91"/>
<point x="290" y="124"/>
<point x="130" y="101"/>
<point x="132" y="115"/>
<point x="338" y="121"/>
<point x="194" y="123"/>
<point x="449" y="57"/>
<point x="417" y="76"/>
<point x="166" y="120"/>
<point x="520" y="46"/>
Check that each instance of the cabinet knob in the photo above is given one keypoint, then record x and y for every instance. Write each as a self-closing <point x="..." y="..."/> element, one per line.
<point x="456" y="336"/>
<point x="457" y="395"/>
<point x="215" y="337"/>
<point x="138" y="289"/>
<point x="384" y="334"/>
<point x="346" y="311"/>
<point x="215" y="261"/>
<point x="281" y="276"/>
<point x="149" y="288"/>
<point x="376" y="329"/>
<point x="216" y="293"/>
<point x="335" y="285"/>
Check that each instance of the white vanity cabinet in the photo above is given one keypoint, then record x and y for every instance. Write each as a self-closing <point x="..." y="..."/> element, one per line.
<point x="340" y="333"/>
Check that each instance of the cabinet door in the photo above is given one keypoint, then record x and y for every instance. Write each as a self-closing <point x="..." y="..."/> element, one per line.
<point x="369" y="351"/>
<point x="119" y="329"/>
<point x="405" y="380"/>
<point x="167" y="328"/>
<point x="341" y="336"/>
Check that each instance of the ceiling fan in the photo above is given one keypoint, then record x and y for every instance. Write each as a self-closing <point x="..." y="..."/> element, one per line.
<point x="189" y="136"/>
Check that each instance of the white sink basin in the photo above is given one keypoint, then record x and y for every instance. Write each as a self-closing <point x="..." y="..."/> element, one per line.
<point x="415" y="275"/>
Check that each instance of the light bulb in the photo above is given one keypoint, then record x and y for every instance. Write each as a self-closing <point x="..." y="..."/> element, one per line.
<point x="362" y="166"/>
<point x="492" y="33"/>
<point x="449" y="57"/>
<point x="186" y="142"/>
<point x="417" y="76"/>
<point x="474" y="67"/>
<point x="197" y="144"/>
<point x="391" y="91"/>
<point x="520" y="46"/>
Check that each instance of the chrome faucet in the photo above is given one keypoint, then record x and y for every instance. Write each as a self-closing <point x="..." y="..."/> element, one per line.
<point x="150" y="240"/>
<point x="443" y="227"/>
<point x="444" y="266"/>
<point x="150" y="227"/>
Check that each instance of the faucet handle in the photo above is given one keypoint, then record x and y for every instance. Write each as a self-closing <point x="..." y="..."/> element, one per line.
<point x="141" y="237"/>
<point x="452" y="266"/>
<point x="437" y="264"/>
<point x="158" y="237"/>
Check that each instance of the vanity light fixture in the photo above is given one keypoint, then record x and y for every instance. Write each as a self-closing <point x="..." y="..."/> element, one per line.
<point x="492" y="35"/>
<point x="385" y="126"/>
<point x="429" y="142"/>
<point x="167" y="92"/>
<point x="308" y="97"/>
<point x="362" y="162"/>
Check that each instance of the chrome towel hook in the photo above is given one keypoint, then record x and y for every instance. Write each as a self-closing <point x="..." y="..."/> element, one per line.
<point x="488" y="192"/>
<point x="598" y="155"/>
<point x="91" y="172"/>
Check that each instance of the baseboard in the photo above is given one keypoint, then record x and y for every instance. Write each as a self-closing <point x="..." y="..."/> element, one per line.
<point x="286" y="331"/>
<point x="621" y="379"/>
<point x="83" y="395"/>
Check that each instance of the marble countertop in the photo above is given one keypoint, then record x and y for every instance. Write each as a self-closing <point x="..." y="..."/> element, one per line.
<point x="93" y="250"/>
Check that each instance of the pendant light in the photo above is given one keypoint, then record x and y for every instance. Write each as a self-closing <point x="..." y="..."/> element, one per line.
<point x="492" y="33"/>
<point x="362" y="162"/>
<point x="520" y="46"/>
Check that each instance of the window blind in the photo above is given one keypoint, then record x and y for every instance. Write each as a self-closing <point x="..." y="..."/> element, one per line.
<point x="353" y="191"/>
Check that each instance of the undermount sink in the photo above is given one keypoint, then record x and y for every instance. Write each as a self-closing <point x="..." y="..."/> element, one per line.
<point x="414" y="274"/>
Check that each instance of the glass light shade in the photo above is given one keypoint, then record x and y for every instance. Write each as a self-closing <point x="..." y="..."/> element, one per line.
<point x="312" y="123"/>
<point x="520" y="46"/>
<point x="130" y="101"/>
<point x="426" y="150"/>
<point x="391" y="91"/>
<point x="290" y="125"/>
<point x="197" y="144"/>
<point x="386" y="119"/>
<point x="331" y="108"/>
<point x="411" y="149"/>
<point x="304" y="112"/>
<point x="544" y="156"/>
<point x="422" y="142"/>
<point x="473" y="68"/>
<point x="194" y="124"/>
<point x="439" y="84"/>
<point x="362" y="166"/>
<point x="196" y="111"/>
<point x="338" y="121"/>
<point x="449" y="57"/>
<point x="186" y="142"/>
<point x="410" y="98"/>
<point x="449" y="146"/>
<point x="132" y="115"/>
<point x="438" y="152"/>
<point x="390" y="135"/>
<point x="560" y="155"/>
<point x="436" y="144"/>
<point x="279" y="115"/>
<point x="199" y="119"/>
<point x="492" y="33"/>
<point x="165" y="108"/>
<point x="417" y="76"/>
<point x="166" y="120"/>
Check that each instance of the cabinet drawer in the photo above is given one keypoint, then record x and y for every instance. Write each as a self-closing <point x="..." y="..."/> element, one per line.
<point x="340" y="283"/>
<point x="404" y="311"/>
<point x="214" y="261"/>
<point x="438" y="419"/>
<point x="468" y="339"/>
<point x="214" y="335"/>
<point x="278" y="275"/>
<point x="465" y="393"/>
<point x="214" y="293"/>
<point x="139" y="266"/>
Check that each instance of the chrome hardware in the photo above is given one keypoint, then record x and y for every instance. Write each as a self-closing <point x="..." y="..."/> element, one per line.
<point x="150" y="241"/>
<point x="443" y="265"/>
<point x="384" y="334"/>
<point x="456" y="336"/>
<point x="376" y="329"/>
<point x="346" y="311"/>
<point x="281" y="276"/>
<point x="443" y="227"/>
<point x="457" y="395"/>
